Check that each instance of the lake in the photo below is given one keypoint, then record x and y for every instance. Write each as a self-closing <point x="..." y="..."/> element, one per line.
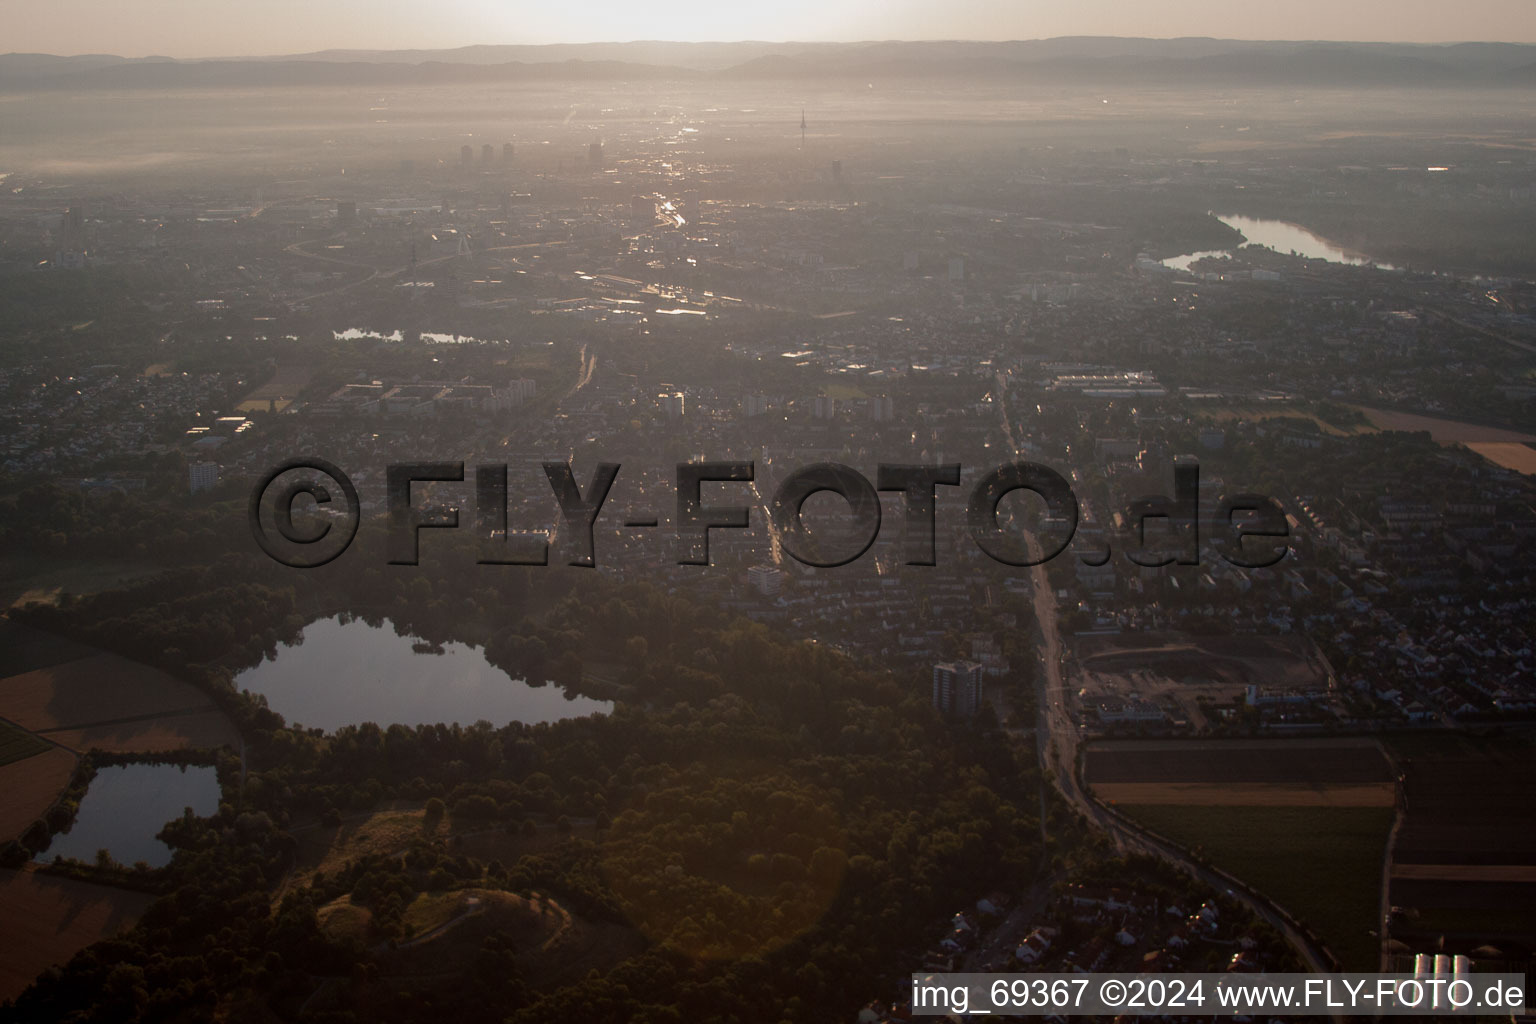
<point x="343" y="673"/>
<point x="127" y="805"/>
<point x="1283" y="237"/>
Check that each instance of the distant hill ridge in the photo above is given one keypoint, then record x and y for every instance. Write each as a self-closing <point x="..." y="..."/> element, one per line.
<point x="1085" y="59"/>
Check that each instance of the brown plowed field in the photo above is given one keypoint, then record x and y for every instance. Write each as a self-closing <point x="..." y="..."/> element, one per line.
<point x="1310" y="764"/>
<point x="1524" y="873"/>
<point x="1251" y="794"/>
<point x="110" y="702"/>
<point x="28" y="788"/>
<point x="1464" y="864"/>
<point x="1519" y="457"/>
<point x="1442" y="430"/>
<point x="46" y="920"/>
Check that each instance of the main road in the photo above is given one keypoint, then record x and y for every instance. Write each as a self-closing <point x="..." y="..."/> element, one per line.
<point x="1057" y="742"/>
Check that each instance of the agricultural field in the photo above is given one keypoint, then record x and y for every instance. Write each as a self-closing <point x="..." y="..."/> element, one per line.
<point x="1441" y="430"/>
<point x="109" y="703"/>
<point x="48" y="919"/>
<point x="1246" y="794"/>
<point x="18" y="744"/>
<point x="59" y="698"/>
<point x="1278" y="773"/>
<point x="1511" y="455"/>
<point x="1508" y="448"/>
<point x="33" y="770"/>
<point x="1322" y="864"/>
<point x="30" y="786"/>
<point x="1282" y="411"/>
<point x="1306" y="822"/>
<point x="1464" y="864"/>
<point x="23" y="649"/>
<point x="279" y="392"/>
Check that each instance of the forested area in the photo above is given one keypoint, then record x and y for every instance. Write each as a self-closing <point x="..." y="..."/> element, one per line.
<point x="774" y="819"/>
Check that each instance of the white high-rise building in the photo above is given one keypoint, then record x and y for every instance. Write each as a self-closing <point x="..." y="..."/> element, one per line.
<point x="522" y="390"/>
<point x="766" y="579"/>
<point x="202" y="476"/>
<point x="957" y="688"/>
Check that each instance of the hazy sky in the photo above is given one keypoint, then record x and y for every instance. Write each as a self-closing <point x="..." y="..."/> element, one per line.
<point x="201" y="28"/>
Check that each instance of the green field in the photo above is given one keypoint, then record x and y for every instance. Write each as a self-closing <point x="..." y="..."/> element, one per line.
<point x="1323" y="864"/>
<point x="1441" y="743"/>
<point x="30" y="576"/>
<point x="18" y="744"/>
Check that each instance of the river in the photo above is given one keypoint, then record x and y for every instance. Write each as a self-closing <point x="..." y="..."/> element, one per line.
<point x="1281" y="236"/>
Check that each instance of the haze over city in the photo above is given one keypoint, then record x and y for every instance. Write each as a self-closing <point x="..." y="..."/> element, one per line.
<point x="192" y="29"/>
<point x="658" y="513"/>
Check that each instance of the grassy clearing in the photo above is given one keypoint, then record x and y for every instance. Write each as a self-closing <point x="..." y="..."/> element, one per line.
<point x="1323" y="864"/>
<point x="431" y="910"/>
<point x="341" y="920"/>
<point x="527" y="359"/>
<point x="1284" y="411"/>
<point x="26" y="578"/>
<point x="263" y="405"/>
<point x="554" y="947"/>
<point x="844" y="392"/>
<point x="327" y="848"/>
<point x="285" y="384"/>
